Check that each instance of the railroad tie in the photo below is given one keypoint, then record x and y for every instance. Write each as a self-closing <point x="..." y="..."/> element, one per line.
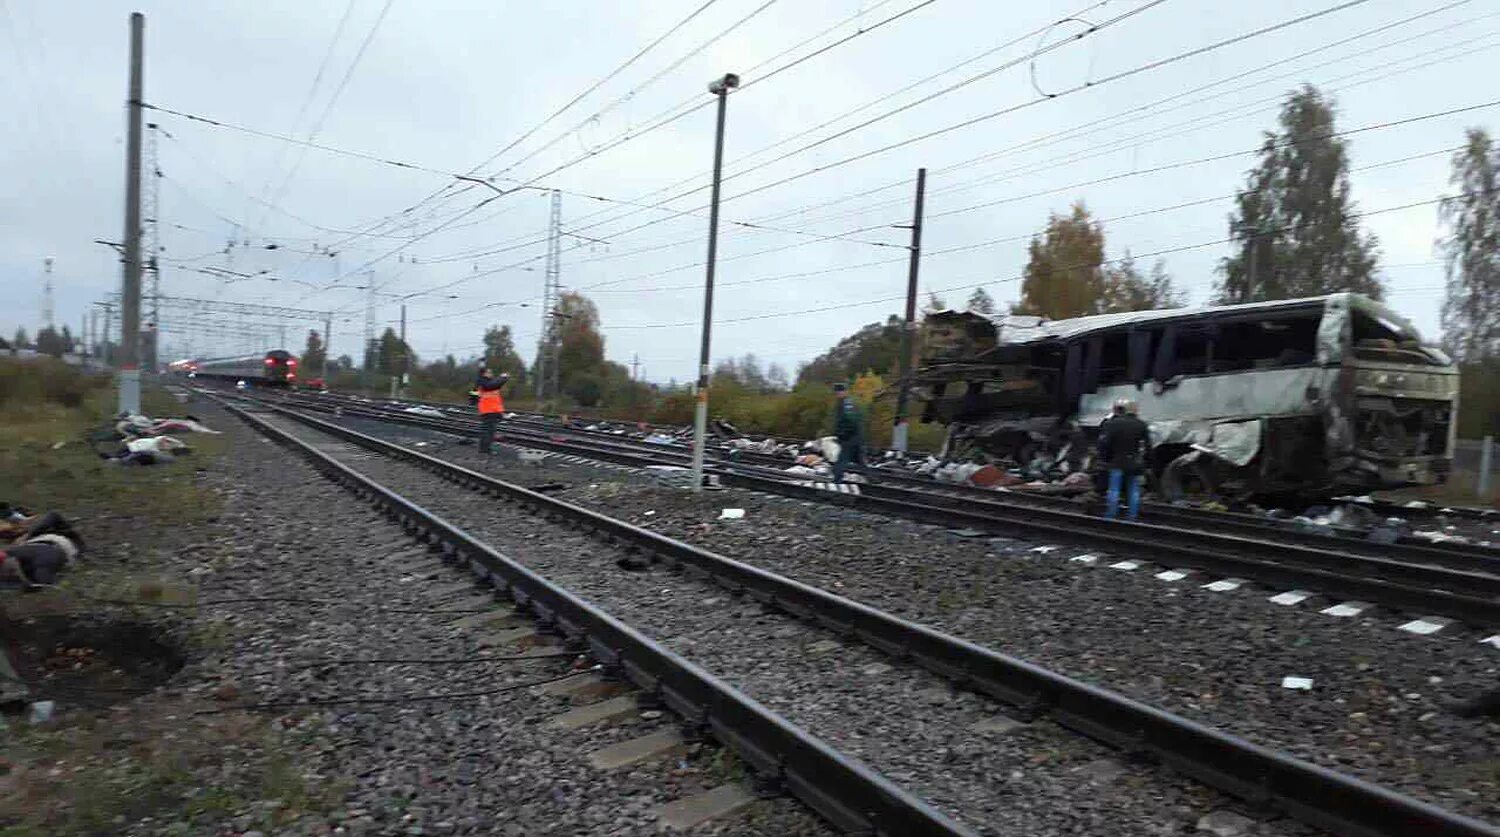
<point x="648" y="747"/>
<point x="693" y="811"/>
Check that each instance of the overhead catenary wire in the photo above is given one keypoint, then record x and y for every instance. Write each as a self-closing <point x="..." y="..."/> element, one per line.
<point x="989" y="51"/>
<point x="1133" y="114"/>
<point x="333" y="100"/>
<point x="755" y="12"/>
<point x="981" y="280"/>
<point x="1096" y="181"/>
<point x="933" y="253"/>
<point x="839" y="24"/>
<point x="650" y="128"/>
<point x="970" y="122"/>
<point x="641" y="53"/>
<point x="312" y="90"/>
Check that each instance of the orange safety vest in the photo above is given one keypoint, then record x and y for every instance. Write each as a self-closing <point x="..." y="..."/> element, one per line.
<point x="490" y="402"/>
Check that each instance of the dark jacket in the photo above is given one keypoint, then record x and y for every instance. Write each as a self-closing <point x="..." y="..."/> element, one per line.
<point x="1123" y="442"/>
<point x="847" y="425"/>
<point x="487" y="384"/>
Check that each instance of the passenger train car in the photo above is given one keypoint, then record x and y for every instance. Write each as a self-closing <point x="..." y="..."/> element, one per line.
<point x="276" y="368"/>
<point x="1326" y="393"/>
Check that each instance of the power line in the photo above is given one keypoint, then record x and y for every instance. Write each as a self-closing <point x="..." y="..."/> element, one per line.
<point x="596" y="85"/>
<point x="1139" y="112"/>
<point x="639" y="87"/>
<point x="1088" y="85"/>
<point x="1135" y="114"/>
<point x="989" y="281"/>
<point x="312" y="90"/>
<point x="858" y="14"/>
<point x="1095" y="181"/>
<point x="840" y="117"/>
<point x="1149" y="66"/>
<point x="476" y="168"/>
<point x="987" y="242"/>
<point x="465" y="213"/>
<point x="317" y="127"/>
<point x="256" y="132"/>
<point x="1069" y="187"/>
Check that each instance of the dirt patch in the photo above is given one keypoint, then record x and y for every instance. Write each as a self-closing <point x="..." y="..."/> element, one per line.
<point x="90" y="660"/>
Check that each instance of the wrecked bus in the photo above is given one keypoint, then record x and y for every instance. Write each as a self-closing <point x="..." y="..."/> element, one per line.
<point x="1328" y="393"/>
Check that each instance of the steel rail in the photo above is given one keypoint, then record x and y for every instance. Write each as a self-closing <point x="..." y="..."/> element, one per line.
<point x="847" y="792"/>
<point x="1425" y="589"/>
<point x="1324" y="798"/>
<point x="1474" y="557"/>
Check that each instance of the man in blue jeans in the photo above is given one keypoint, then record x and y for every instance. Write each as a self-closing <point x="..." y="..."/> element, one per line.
<point x="1123" y="442"/>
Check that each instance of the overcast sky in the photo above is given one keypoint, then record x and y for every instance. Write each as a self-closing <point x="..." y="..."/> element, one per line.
<point x="446" y="84"/>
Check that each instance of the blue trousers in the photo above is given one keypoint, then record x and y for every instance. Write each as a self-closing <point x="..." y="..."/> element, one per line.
<point x="1112" y="498"/>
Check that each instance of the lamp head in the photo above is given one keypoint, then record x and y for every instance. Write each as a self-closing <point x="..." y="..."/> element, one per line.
<point x="720" y="86"/>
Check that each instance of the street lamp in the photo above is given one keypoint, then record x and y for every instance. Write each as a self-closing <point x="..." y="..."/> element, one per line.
<point x="720" y="88"/>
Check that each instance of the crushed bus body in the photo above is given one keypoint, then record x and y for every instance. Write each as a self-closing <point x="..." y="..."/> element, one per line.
<point x="1327" y="393"/>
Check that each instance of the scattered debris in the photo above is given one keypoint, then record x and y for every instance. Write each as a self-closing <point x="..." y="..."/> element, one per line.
<point x="1303" y="684"/>
<point x="732" y="514"/>
<point x="42" y="711"/>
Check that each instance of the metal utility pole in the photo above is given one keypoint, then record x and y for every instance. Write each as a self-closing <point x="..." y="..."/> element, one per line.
<point x="47" y="312"/>
<point x="130" y="294"/>
<point x="327" y="341"/>
<point x="399" y="381"/>
<point x="720" y="88"/>
<point x="635" y="363"/>
<point x="108" y="352"/>
<point x="367" y="364"/>
<point x="908" y="329"/>
<point x="551" y="338"/>
<point x="151" y="241"/>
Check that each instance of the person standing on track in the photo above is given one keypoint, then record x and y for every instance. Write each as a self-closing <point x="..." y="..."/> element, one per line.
<point x="1124" y="441"/>
<point x="491" y="406"/>
<point x="848" y="430"/>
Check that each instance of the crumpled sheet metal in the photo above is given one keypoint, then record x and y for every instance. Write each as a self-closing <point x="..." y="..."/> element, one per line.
<point x="1211" y="399"/>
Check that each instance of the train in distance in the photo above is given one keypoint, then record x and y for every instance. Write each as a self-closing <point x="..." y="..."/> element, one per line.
<point x="275" y="368"/>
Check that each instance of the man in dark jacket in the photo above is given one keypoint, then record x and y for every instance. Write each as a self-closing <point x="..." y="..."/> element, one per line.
<point x="848" y="430"/>
<point x="1124" y="441"/>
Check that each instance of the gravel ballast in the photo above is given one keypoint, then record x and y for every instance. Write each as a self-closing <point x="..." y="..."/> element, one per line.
<point x="1377" y="704"/>
<point x="478" y="765"/>
<point x="907" y="724"/>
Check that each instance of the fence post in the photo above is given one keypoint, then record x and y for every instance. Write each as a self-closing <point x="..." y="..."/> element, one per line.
<point x="1486" y="462"/>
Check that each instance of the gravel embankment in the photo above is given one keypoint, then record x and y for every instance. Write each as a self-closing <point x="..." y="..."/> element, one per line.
<point x="1038" y="779"/>
<point x="480" y="765"/>
<point x="1376" y="710"/>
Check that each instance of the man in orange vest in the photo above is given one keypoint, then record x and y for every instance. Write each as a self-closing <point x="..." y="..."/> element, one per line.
<point x="491" y="406"/>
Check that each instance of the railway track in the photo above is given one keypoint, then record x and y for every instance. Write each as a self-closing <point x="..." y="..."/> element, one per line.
<point x="1152" y="511"/>
<point x="1314" y="795"/>
<point x="1170" y="514"/>
<point x="1423" y="580"/>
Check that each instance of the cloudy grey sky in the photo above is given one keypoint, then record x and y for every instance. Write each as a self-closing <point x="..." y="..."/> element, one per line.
<point x="820" y="155"/>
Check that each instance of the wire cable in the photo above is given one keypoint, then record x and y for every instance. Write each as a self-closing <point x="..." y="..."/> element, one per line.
<point x="989" y="281"/>
<point x="312" y="89"/>
<point x="332" y="102"/>
<point x="1123" y="74"/>
<point x="595" y="86"/>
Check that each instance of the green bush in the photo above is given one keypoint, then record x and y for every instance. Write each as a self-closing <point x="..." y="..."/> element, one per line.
<point x="34" y="382"/>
